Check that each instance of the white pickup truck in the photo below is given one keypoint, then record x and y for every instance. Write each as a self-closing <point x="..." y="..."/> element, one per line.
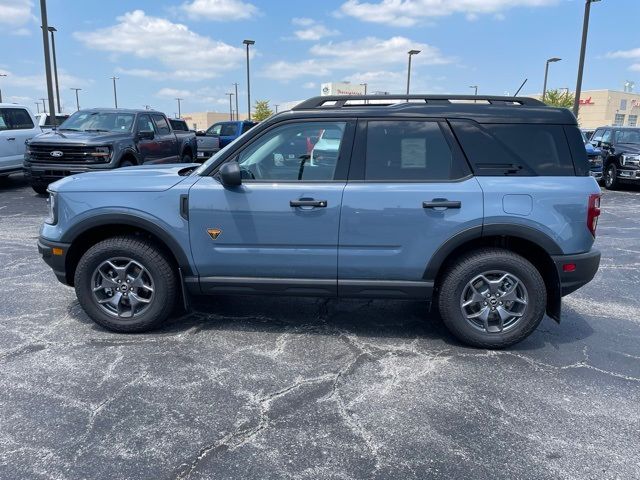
<point x="17" y="125"/>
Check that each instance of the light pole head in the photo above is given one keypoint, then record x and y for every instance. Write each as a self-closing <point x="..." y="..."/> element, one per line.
<point x="248" y="42"/>
<point x="52" y="29"/>
<point x="553" y="59"/>
<point x="413" y="52"/>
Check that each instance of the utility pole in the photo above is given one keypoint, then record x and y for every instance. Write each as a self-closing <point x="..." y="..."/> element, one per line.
<point x="276" y="105"/>
<point x="55" y="67"/>
<point x="247" y="43"/>
<point x="77" y="100"/>
<point x="179" y="111"/>
<point x="47" y="60"/>
<point x="230" y="107"/>
<point x="237" y="111"/>
<point x="2" y="75"/>
<point x="38" y="106"/>
<point x="115" y="93"/>
<point x="44" y="108"/>
<point x="583" y="49"/>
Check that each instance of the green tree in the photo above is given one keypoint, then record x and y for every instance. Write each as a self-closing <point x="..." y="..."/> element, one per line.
<point x="261" y="110"/>
<point x="559" y="98"/>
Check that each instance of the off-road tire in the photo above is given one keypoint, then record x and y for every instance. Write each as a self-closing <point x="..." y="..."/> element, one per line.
<point x="475" y="263"/>
<point x="152" y="258"/>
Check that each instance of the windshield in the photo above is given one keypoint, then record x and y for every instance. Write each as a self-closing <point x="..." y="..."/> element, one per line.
<point x="99" y="122"/>
<point x="628" y="136"/>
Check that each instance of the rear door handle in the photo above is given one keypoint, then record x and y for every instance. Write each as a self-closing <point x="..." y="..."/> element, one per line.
<point x="442" y="203"/>
<point x="308" y="202"/>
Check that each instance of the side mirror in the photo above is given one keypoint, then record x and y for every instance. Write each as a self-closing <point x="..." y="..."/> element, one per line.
<point x="145" y="134"/>
<point x="230" y="175"/>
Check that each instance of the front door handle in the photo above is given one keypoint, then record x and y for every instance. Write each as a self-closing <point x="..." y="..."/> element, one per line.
<point x="10" y="138"/>
<point x="308" y="202"/>
<point x="442" y="203"/>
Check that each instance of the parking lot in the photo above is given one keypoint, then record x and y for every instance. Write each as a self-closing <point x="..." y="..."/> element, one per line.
<point x="262" y="387"/>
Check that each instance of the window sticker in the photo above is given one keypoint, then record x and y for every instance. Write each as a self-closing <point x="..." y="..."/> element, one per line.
<point x="413" y="152"/>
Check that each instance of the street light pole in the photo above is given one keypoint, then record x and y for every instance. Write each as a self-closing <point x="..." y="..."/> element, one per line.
<point x="247" y="43"/>
<point x="583" y="48"/>
<point x="475" y="91"/>
<point x="115" y="93"/>
<point x="2" y="75"/>
<point x="55" y="67"/>
<point x="47" y="60"/>
<point x="230" y="106"/>
<point x="44" y="108"/>
<point x="38" y="106"/>
<point x="411" y="53"/>
<point x="179" y="111"/>
<point x="546" y="74"/>
<point x="77" y="99"/>
<point x="237" y="111"/>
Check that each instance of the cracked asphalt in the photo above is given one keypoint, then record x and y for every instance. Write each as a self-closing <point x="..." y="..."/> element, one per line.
<point x="263" y="387"/>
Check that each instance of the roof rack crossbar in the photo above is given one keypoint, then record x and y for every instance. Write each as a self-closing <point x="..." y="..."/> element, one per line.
<point x="340" y="101"/>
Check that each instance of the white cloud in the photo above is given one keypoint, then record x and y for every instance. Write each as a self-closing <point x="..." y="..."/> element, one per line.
<point x="355" y="55"/>
<point x="632" y="54"/>
<point x="405" y="13"/>
<point x="173" y="93"/>
<point x="220" y="10"/>
<point x="310" y="85"/>
<point x="15" y="12"/>
<point x="635" y="67"/>
<point x="172" y="44"/>
<point x="38" y="82"/>
<point x="311" y="30"/>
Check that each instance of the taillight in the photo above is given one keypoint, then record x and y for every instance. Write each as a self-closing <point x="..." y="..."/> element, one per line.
<point x="593" y="212"/>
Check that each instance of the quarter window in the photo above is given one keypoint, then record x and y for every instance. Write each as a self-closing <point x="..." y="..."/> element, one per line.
<point x="408" y="151"/>
<point x="294" y="152"/>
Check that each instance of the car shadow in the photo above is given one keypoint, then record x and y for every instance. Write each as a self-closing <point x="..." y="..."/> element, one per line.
<point x="13" y="182"/>
<point x="373" y="319"/>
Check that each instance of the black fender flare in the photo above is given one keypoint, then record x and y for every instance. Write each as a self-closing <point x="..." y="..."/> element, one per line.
<point x="122" y="218"/>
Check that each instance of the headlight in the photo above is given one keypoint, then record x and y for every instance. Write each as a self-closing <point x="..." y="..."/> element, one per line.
<point x="631" y="160"/>
<point x="52" y="203"/>
<point x="596" y="161"/>
<point x="102" y="153"/>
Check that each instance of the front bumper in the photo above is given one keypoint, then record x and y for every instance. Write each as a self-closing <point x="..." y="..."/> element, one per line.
<point x="50" y="172"/>
<point x="54" y="254"/>
<point x="575" y="271"/>
<point x="628" y="174"/>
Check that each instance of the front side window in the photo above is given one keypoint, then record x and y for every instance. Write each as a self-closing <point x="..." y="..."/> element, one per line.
<point x="4" y="124"/>
<point x="16" y="119"/>
<point x="293" y="152"/>
<point x="161" y="124"/>
<point x="214" y="130"/>
<point x="597" y="136"/>
<point x="406" y="151"/>
<point x="607" y="136"/>
<point x="145" y="124"/>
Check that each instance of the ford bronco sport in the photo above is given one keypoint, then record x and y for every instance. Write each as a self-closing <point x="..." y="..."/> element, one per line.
<point x="481" y="205"/>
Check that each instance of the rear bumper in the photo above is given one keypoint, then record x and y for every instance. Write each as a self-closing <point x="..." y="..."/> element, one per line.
<point x="575" y="271"/>
<point x="57" y="260"/>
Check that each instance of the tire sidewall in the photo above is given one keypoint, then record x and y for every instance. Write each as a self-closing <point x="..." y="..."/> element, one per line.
<point x="164" y="288"/>
<point x="465" y="271"/>
<point x="613" y="176"/>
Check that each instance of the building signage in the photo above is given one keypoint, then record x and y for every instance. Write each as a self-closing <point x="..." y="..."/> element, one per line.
<point x="587" y="101"/>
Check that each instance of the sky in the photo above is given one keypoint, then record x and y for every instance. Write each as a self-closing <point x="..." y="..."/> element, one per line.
<point x="193" y="49"/>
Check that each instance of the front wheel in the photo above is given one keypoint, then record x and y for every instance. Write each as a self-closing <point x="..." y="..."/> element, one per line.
<point x="492" y="298"/>
<point x="40" y="188"/>
<point x="186" y="158"/>
<point x="611" y="177"/>
<point x="126" y="284"/>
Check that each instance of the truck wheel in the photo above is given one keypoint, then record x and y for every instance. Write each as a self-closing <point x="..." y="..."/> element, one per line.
<point x="40" y="188"/>
<point x="126" y="284"/>
<point x="611" y="177"/>
<point x="186" y="158"/>
<point x="126" y="163"/>
<point x="492" y="298"/>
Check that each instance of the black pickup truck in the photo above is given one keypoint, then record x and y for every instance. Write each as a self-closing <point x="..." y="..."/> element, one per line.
<point x="102" y="139"/>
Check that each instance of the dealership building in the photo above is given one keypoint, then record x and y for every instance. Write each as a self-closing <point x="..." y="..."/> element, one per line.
<point x="608" y="107"/>
<point x="203" y="120"/>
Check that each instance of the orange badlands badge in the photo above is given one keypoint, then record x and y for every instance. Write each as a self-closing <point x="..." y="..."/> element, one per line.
<point x="214" y="233"/>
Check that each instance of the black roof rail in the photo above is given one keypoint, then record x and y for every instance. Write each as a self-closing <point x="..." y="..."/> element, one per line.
<point x="339" y="101"/>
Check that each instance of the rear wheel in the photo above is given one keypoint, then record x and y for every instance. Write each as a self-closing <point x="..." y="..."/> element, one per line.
<point x="40" y="188"/>
<point x="126" y="284"/>
<point x="492" y="298"/>
<point x="611" y="177"/>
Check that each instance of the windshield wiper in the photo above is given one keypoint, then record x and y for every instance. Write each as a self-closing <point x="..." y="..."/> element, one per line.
<point x="70" y="129"/>
<point x="96" y="130"/>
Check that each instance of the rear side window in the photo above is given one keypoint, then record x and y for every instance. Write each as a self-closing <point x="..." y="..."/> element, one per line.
<point x="515" y="149"/>
<point x="409" y="151"/>
<point x="161" y="124"/>
<point x="15" y="119"/>
<point x="228" y="129"/>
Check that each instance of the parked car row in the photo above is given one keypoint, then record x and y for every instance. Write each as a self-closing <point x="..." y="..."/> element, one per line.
<point x="620" y="151"/>
<point x="219" y="135"/>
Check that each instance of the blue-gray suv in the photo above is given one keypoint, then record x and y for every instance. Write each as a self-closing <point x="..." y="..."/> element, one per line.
<point x="482" y="206"/>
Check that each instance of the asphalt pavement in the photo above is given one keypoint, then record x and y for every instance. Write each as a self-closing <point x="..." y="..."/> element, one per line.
<point x="264" y="387"/>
